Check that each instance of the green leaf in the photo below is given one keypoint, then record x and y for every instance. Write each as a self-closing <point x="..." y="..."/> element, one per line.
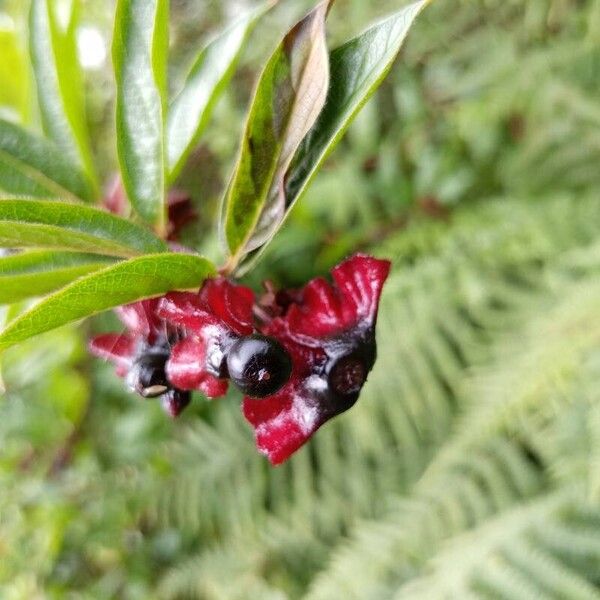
<point x="290" y="95"/>
<point x="59" y="80"/>
<point x="357" y="69"/>
<point x="140" y="59"/>
<point x="33" y="166"/>
<point x="209" y="76"/>
<point x="125" y="282"/>
<point x="40" y="272"/>
<point x="62" y="226"/>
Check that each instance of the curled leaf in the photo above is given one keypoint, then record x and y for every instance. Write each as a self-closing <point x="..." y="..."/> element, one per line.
<point x="34" y="166"/>
<point x="290" y="95"/>
<point x="357" y="69"/>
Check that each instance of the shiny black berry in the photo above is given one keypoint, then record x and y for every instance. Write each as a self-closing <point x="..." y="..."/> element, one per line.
<point x="147" y="376"/>
<point x="348" y="375"/>
<point x="350" y="365"/>
<point x="259" y="365"/>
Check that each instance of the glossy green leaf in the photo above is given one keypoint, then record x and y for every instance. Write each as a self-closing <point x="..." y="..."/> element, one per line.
<point x="140" y="47"/>
<point x="53" y="49"/>
<point x="40" y="272"/>
<point x="357" y="69"/>
<point x="33" y="166"/>
<point x="211" y="72"/>
<point x="63" y="226"/>
<point x="125" y="282"/>
<point x="290" y="95"/>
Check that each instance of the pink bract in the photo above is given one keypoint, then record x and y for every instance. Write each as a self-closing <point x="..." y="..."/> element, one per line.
<point x="141" y="318"/>
<point x="329" y="333"/>
<point x="117" y="348"/>
<point x="211" y="320"/>
<point x="144" y="326"/>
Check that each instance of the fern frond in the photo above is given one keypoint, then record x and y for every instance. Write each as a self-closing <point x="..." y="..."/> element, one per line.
<point x="394" y="548"/>
<point x="218" y="575"/>
<point x="507" y="558"/>
<point x="535" y="369"/>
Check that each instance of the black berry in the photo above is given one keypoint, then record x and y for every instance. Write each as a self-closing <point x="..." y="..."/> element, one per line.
<point x="147" y="376"/>
<point x="348" y="375"/>
<point x="259" y="365"/>
<point x="352" y="360"/>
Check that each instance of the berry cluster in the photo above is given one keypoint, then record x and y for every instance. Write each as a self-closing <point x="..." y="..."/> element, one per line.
<point x="299" y="356"/>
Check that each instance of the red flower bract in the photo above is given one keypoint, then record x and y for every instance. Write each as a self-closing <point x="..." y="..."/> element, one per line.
<point x="141" y="318"/>
<point x="119" y="349"/>
<point x="329" y="332"/>
<point x="144" y="327"/>
<point x="211" y="321"/>
<point x="180" y="209"/>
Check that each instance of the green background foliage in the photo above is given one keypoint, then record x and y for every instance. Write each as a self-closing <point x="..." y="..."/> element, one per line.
<point x="470" y="466"/>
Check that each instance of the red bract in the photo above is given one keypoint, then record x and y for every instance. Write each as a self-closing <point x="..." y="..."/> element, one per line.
<point x="180" y="209"/>
<point x="329" y="331"/>
<point x="142" y="319"/>
<point x="119" y="349"/>
<point x="181" y="212"/>
<point x="144" y="327"/>
<point x="211" y="322"/>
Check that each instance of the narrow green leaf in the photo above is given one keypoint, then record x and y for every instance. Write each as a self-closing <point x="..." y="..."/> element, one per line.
<point x="59" y="81"/>
<point x="209" y="76"/>
<point x="125" y="282"/>
<point x="63" y="226"/>
<point x="40" y="272"/>
<point x="357" y="69"/>
<point x="33" y="166"/>
<point x="290" y="95"/>
<point x="140" y="47"/>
